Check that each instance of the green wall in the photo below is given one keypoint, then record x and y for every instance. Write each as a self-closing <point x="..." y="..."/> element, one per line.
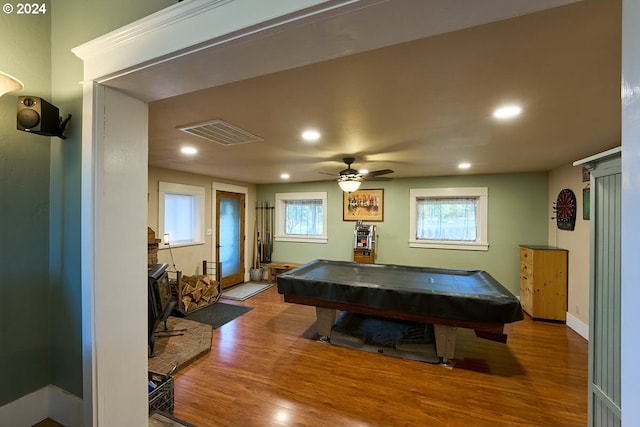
<point x="517" y="215"/>
<point x="24" y="213"/>
<point x="40" y="289"/>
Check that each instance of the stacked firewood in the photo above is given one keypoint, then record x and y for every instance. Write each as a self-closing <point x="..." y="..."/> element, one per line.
<point x="197" y="292"/>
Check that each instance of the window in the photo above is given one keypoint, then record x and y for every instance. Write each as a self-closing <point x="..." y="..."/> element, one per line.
<point x="301" y="217"/>
<point x="449" y="218"/>
<point x="181" y="213"/>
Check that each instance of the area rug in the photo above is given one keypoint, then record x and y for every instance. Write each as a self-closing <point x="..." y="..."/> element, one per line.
<point x="245" y="291"/>
<point x="218" y="314"/>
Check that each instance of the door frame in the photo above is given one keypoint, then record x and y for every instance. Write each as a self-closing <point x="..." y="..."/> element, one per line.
<point x="605" y="286"/>
<point x="220" y="186"/>
<point x="227" y="280"/>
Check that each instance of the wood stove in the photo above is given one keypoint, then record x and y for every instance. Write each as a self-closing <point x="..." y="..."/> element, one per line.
<point x="160" y="301"/>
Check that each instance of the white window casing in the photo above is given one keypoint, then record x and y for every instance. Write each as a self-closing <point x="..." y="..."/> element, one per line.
<point x="481" y="194"/>
<point x="197" y="225"/>
<point x="281" y="234"/>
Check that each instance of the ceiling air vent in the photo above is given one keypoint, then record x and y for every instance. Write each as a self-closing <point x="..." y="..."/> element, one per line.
<point x="221" y="132"/>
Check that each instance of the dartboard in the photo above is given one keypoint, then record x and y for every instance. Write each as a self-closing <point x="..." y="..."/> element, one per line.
<point x="566" y="210"/>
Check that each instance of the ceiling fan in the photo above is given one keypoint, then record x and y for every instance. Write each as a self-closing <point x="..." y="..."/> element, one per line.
<point x="349" y="179"/>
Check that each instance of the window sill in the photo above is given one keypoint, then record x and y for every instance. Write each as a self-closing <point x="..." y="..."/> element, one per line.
<point x="461" y="246"/>
<point x="301" y="239"/>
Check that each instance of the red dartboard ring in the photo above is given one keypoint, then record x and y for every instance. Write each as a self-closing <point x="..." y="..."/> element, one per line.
<point x="566" y="210"/>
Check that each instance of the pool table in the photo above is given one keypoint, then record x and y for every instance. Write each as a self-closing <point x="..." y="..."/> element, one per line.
<point x="447" y="298"/>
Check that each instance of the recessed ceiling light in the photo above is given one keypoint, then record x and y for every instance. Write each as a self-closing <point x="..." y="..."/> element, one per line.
<point x="189" y="150"/>
<point x="464" y="165"/>
<point x="311" y="135"/>
<point x="284" y="175"/>
<point x="507" y="112"/>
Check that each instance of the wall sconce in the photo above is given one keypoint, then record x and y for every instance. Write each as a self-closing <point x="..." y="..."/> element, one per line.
<point x="167" y="241"/>
<point x="9" y="83"/>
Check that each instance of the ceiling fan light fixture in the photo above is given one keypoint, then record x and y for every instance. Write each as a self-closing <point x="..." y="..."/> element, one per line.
<point x="349" y="183"/>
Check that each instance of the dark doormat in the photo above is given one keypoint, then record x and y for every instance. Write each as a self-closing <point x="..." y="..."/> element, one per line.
<point x="218" y="314"/>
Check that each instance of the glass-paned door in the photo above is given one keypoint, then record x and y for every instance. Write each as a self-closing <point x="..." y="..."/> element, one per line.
<point x="230" y="237"/>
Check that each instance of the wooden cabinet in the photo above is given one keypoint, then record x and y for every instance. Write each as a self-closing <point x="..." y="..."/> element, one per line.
<point x="543" y="282"/>
<point x="364" y="256"/>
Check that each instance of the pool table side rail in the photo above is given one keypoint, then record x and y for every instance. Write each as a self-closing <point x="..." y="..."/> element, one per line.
<point x="446" y="307"/>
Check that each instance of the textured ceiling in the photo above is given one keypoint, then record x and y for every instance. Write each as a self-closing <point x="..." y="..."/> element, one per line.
<point x="418" y="107"/>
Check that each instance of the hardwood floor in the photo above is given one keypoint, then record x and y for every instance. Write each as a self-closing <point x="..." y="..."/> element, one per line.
<point x="266" y="368"/>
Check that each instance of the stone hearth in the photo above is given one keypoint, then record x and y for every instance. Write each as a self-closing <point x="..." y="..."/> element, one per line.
<point x="183" y="349"/>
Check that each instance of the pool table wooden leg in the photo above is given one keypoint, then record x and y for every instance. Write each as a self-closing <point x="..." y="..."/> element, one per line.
<point x="326" y="319"/>
<point x="445" y="341"/>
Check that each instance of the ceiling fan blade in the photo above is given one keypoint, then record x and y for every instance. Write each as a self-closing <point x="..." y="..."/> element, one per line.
<point x="379" y="172"/>
<point x="355" y="174"/>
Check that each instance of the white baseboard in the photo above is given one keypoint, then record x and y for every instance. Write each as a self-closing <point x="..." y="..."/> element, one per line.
<point x="48" y="402"/>
<point x="64" y="407"/>
<point x="26" y="411"/>
<point x="578" y="325"/>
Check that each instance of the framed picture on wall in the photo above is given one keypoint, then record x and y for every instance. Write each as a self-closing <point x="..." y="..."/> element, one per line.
<point x="363" y="205"/>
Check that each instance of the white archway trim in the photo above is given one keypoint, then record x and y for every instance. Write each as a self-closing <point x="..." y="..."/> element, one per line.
<point x="188" y="27"/>
<point x="113" y="224"/>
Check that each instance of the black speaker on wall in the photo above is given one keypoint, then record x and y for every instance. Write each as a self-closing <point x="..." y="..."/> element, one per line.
<point x="37" y="116"/>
